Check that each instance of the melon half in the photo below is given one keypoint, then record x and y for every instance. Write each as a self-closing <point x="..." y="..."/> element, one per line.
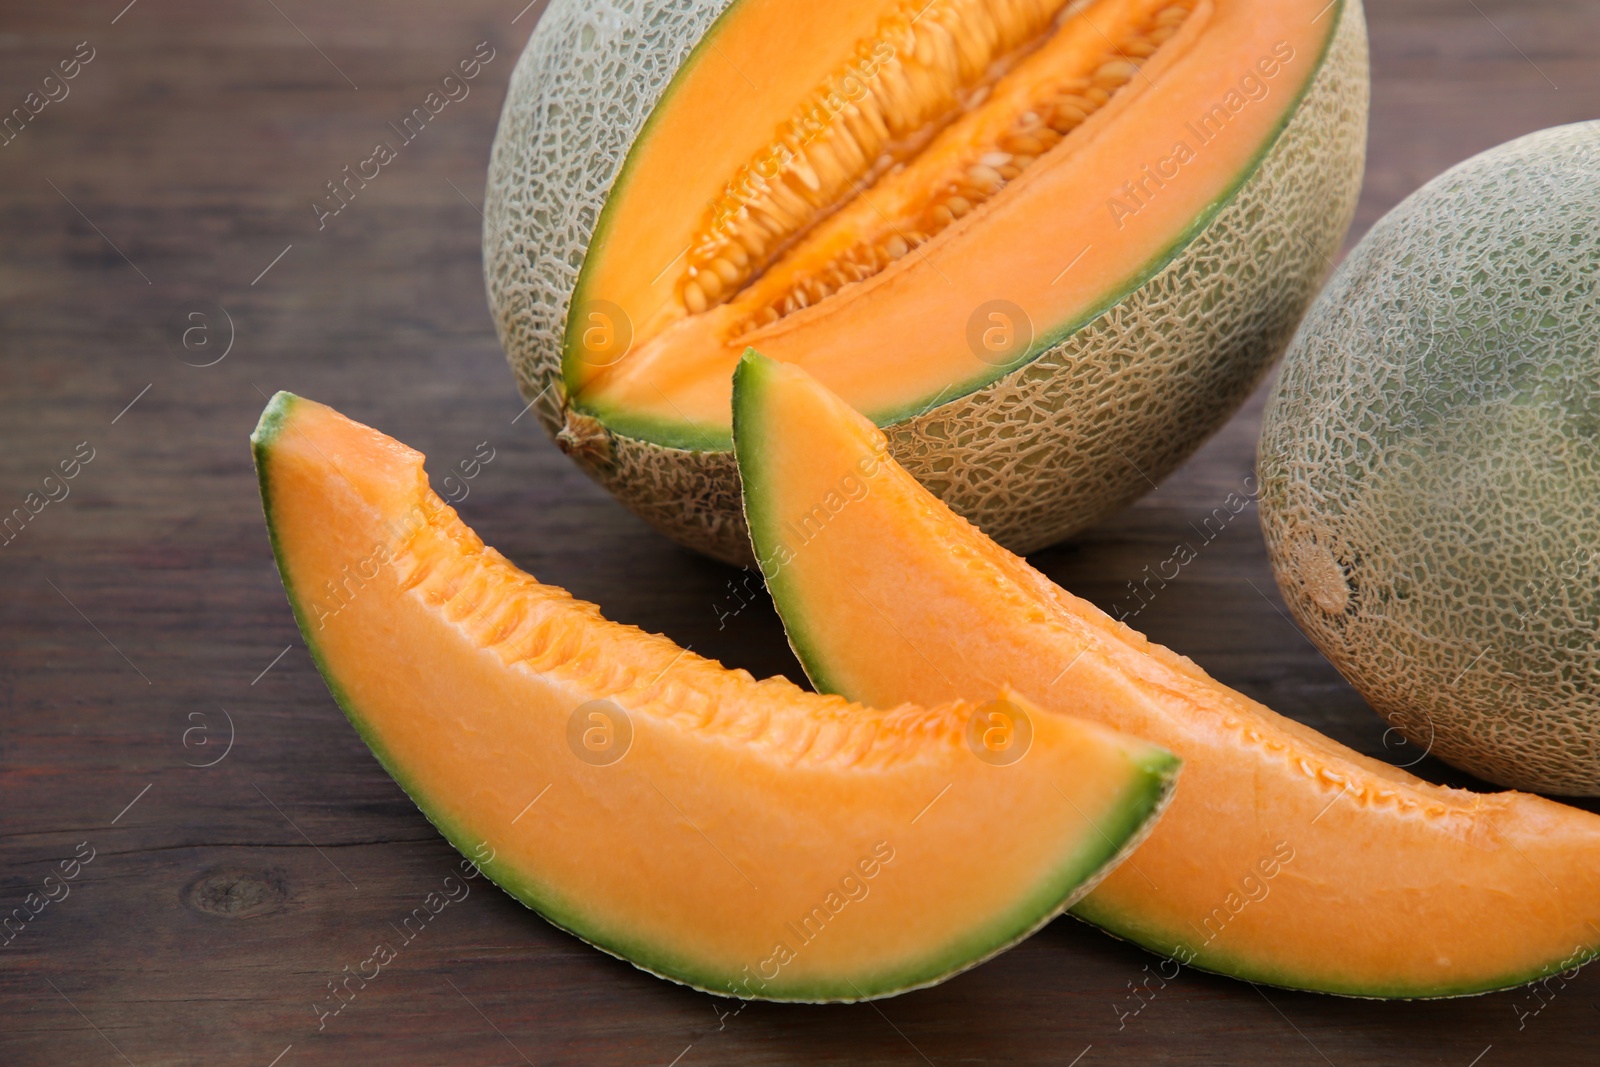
<point x="1285" y="857"/>
<point x="1048" y="246"/>
<point x="744" y="837"/>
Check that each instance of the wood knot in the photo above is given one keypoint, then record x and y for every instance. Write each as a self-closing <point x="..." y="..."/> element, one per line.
<point x="237" y="892"/>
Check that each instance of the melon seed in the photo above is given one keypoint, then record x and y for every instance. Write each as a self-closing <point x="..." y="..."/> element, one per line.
<point x="952" y="41"/>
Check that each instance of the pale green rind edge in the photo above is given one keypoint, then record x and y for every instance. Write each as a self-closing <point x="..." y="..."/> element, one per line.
<point x="1149" y="790"/>
<point x="1233" y="965"/>
<point x="602" y="232"/>
<point x="570" y="118"/>
<point x="752" y="379"/>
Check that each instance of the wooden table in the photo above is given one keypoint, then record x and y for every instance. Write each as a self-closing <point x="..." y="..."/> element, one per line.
<point x="142" y="614"/>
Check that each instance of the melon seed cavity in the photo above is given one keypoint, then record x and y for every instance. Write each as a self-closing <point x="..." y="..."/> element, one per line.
<point x="930" y="69"/>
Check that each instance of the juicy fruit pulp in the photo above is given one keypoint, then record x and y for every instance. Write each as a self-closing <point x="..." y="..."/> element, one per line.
<point x="742" y="836"/>
<point x="958" y="151"/>
<point x="1287" y="858"/>
<point x="1430" y="481"/>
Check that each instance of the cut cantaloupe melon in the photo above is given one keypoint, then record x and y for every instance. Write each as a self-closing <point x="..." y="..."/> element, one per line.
<point x="1287" y="858"/>
<point x="1050" y="244"/>
<point x="744" y="837"/>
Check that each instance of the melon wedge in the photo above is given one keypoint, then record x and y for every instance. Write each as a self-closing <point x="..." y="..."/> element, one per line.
<point x="744" y="837"/>
<point x="1078" y="228"/>
<point x="1287" y="858"/>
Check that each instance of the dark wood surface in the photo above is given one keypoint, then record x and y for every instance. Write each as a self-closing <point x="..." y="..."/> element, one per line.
<point x="141" y="613"/>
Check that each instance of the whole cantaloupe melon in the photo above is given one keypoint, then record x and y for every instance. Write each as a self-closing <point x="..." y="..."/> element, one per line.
<point x="1430" y="465"/>
<point x="1048" y="245"/>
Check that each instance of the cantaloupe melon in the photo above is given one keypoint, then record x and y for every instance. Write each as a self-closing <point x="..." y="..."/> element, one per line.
<point x="1430" y="465"/>
<point x="747" y="838"/>
<point x="1286" y="858"/>
<point x="1048" y="245"/>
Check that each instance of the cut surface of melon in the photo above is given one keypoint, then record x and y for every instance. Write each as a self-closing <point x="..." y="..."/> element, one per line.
<point x="1035" y="376"/>
<point x="845" y="190"/>
<point x="1287" y="858"/>
<point x="745" y="837"/>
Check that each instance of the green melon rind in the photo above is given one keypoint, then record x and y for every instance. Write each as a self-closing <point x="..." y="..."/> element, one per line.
<point x="582" y="94"/>
<point x="1232" y="965"/>
<point x="752" y="382"/>
<point x="1153" y="773"/>
<point x="1151" y="776"/>
<point x="699" y="49"/>
<point x="677" y="434"/>
<point x="1186" y="344"/>
<point x="1428" y="465"/>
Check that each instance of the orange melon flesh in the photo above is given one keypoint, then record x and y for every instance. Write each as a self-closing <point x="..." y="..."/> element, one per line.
<point x="752" y="839"/>
<point x="1287" y="858"/>
<point x="1112" y="202"/>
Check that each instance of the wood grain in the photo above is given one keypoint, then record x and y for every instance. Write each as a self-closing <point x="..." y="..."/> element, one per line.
<point x="142" y="612"/>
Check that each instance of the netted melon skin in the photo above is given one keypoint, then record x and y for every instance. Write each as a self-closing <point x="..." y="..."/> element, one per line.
<point x="1074" y="435"/>
<point x="586" y="83"/>
<point x="1430" y="466"/>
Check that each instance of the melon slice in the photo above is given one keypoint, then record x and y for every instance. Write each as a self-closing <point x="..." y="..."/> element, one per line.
<point x="1287" y="858"/>
<point x="744" y="837"/>
<point x="979" y="221"/>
